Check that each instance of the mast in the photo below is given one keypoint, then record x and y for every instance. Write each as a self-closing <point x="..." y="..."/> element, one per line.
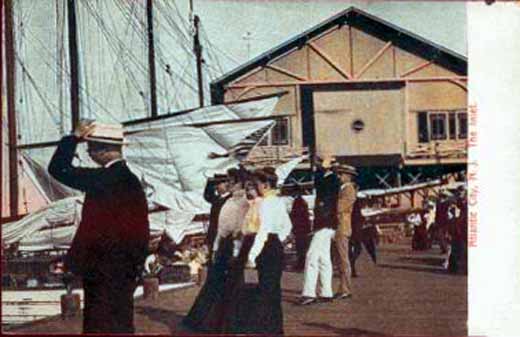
<point x="11" y="106"/>
<point x="1" y="122"/>
<point x="197" y="48"/>
<point x="74" y="63"/>
<point x="151" y="58"/>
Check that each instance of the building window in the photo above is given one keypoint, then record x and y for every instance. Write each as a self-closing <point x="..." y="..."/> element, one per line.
<point x="452" y="125"/>
<point x="438" y="126"/>
<point x="279" y="134"/>
<point x="441" y="125"/>
<point x="463" y="125"/>
<point x="422" y="124"/>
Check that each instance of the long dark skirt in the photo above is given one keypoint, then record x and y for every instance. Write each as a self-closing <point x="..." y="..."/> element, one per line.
<point x="420" y="238"/>
<point x="234" y="285"/>
<point x="259" y="308"/>
<point x="205" y="315"/>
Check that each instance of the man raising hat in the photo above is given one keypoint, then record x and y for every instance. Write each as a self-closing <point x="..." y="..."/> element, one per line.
<point x="318" y="264"/>
<point x="110" y="245"/>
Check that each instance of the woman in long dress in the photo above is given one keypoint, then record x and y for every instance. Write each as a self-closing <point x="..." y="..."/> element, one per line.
<point x="206" y="313"/>
<point x="261" y="306"/>
<point x="234" y="285"/>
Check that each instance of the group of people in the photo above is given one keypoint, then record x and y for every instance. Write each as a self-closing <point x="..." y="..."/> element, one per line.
<point x="338" y="221"/>
<point x="444" y="221"/>
<point x="249" y="223"/>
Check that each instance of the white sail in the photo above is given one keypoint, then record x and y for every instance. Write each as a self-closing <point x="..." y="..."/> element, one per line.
<point x="173" y="161"/>
<point x="173" y="164"/>
<point x="65" y="212"/>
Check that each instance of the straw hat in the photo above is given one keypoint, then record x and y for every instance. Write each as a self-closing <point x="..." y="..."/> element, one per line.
<point x="342" y="169"/>
<point x="107" y="134"/>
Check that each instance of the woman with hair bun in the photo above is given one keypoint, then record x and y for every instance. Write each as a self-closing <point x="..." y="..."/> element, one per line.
<point x="266" y="254"/>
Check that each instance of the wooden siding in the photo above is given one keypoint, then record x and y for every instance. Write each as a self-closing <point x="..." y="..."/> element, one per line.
<point x="379" y="110"/>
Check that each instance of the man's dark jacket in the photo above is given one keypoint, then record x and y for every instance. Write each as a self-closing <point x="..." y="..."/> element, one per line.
<point x="113" y="235"/>
<point x="300" y="217"/>
<point x="216" y="201"/>
<point x="326" y="205"/>
<point x="357" y="222"/>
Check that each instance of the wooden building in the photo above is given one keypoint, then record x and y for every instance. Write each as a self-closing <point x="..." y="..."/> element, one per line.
<point x="380" y="98"/>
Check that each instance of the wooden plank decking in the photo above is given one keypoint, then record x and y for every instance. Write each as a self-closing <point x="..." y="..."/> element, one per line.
<point x="407" y="293"/>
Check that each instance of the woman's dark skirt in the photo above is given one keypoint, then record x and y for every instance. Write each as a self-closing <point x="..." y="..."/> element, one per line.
<point x="258" y="309"/>
<point x="205" y="315"/>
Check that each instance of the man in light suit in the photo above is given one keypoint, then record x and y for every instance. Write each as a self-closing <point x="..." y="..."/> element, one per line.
<point x="346" y="199"/>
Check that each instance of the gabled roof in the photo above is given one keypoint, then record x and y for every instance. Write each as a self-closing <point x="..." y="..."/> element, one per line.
<point x="368" y="23"/>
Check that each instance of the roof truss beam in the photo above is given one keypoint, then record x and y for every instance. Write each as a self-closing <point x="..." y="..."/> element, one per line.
<point x="286" y="72"/>
<point x="373" y="60"/>
<point x="416" y="69"/>
<point x="245" y="91"/>
<point x="329" y="60"/>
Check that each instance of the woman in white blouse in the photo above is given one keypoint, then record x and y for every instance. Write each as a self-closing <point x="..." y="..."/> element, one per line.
<point x="232" y="306"/>
<point x="206" y="314"/>
<point x="267" y="255"/>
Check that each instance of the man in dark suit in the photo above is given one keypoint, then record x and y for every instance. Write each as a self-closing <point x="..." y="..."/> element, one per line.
<point x="216" y="193"/>
<point x="318" y="263"/>
<point x="363" y="234"/>
<point x="301" y="228"/>
<point x="111" y="243"/>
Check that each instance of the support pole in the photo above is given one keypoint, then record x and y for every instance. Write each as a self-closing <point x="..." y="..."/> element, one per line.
<point x="197" y="48"/>
<point x="2" y="124"/>
<point x="151" y="59"/>
<point x="10" y="55"/>
<point x="74" y="63"/>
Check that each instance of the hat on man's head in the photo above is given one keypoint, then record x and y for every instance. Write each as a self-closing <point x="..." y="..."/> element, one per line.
<point x="220" y="178"/>
<point x="342" y="169"/>
<point x="107" y="134"/>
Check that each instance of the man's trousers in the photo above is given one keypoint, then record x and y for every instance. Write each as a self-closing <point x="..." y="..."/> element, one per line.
<point x="109" y="304"/>
<point x="342" y="248"/>
<point x="318" y="264"/>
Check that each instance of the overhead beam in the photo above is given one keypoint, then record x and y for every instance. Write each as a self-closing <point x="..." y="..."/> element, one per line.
<point x="460" y="84"/>
<point x="373" y="59"/>
<point x="226" y="121"/>
<point x="197" y="125"/>
<point x="329" y="60"/>
<point x="313" y="82"/>
<point x="164" y="116"/>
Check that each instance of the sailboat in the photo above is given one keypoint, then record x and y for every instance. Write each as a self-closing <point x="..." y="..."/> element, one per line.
<point x="168" y="150"/>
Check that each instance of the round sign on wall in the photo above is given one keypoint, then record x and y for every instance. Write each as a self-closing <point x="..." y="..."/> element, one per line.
<point x="358" y="125"/>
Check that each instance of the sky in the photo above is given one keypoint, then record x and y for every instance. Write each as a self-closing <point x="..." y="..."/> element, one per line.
<point x="271" y="22"/>
<point x="113" y="49"/>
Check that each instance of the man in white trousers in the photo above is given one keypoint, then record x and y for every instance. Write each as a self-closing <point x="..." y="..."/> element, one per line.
<point x="318" y="263"/>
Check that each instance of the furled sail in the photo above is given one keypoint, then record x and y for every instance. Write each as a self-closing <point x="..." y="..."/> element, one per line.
<point x="171" y="159"/>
